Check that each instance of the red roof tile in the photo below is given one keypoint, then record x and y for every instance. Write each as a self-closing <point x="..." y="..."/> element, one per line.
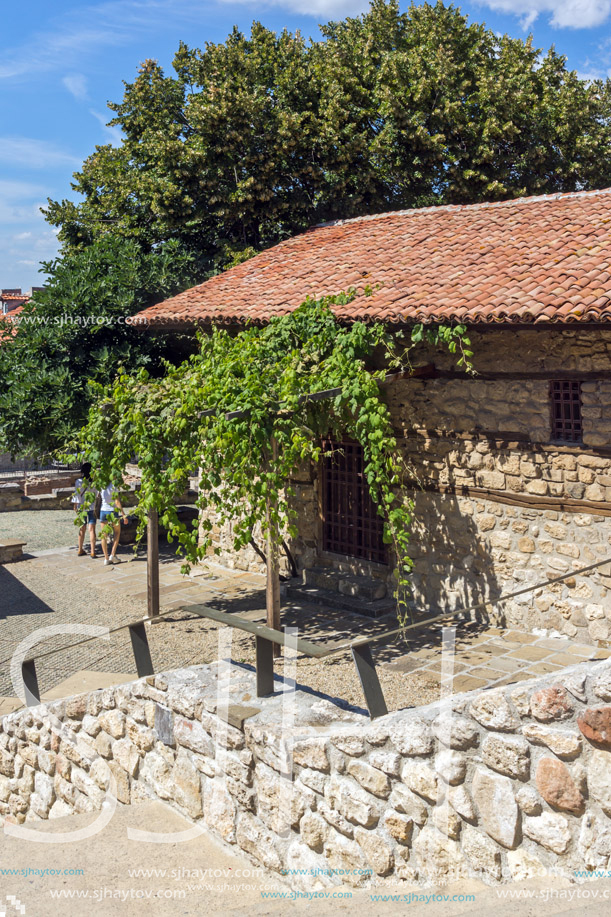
<point x="8" y="326"/>
<point x="540" y="259"/>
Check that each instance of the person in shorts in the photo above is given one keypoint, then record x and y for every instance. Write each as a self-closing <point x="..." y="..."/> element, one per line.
<point x="109" y="516"/>
<point x="83" y="486"/>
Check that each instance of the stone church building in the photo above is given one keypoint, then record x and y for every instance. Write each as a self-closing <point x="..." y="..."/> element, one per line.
<point x="512" y="466"/>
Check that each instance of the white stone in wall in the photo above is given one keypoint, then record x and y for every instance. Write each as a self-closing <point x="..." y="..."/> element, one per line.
<point x="594" y="843"/>
<point x="219" y="810"/>
<point x="334" y="818"/>
<point x="459" y="799"/>
<point x="412" y="737"/>
<point x="255" y="839"/>
<point x="192" y="735"/>
<point x="601" y="685"/>
<point x="523" y="864"/>
<point x="563" y="744"/>
<point x="599" y="778"/>
<point x="387" y="761"/>
<point x="378" y="853"/>
<point x="348" y="857"/>
<point x="446" y="820"/>
<point x="455" y="731"/>
<point x="493" y="711"/>
<point x="308" y="869"/>
<point x="352" y="801"/>
<point x="507" y="754"/>
<point x="498" y="810"/>
<point x="407" y="802"/>
<point x="370" y="778"/>
<point x="482" y="853"/>
<point x="529" y="800"/>
<point x="420" y="778"/>
<point x="313" y="830"/>
<point x="400" y="827"/>
<point x="549" y="829"/>
<point x="451" y="766"/>
<point x="439" y="857"/>
<point x="350" y="744"/>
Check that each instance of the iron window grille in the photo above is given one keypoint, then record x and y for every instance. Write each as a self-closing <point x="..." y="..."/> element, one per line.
<point x="565" y="400"/>
<point x="351" y="524"/>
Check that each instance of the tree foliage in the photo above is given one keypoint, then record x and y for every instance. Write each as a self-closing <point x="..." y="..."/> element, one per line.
<point x="259" y="137"/>
<point x="74" y="331"/>
<point x="222" y="409"/>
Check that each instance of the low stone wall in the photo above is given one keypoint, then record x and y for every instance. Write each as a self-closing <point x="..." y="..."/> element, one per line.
<point x="13" y="499"/>
<point x="11" y="551"/>
<point x="500" y="784"/>
<point x="48" y="485"/>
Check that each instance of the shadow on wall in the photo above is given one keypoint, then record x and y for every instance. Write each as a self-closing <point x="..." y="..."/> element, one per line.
<point x="453" y="564"/>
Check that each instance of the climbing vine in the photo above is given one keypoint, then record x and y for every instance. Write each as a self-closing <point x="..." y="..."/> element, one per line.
<point x="240" y="411"/>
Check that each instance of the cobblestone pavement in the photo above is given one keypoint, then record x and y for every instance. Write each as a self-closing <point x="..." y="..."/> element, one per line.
<point x="58" y="588"/>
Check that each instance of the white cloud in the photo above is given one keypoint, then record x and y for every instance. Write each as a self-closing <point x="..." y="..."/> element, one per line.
<point x="73" y="36"/>
<point x="25" y="237"/>
<point x="19" y="190"/>
<point x="113" y="133"/>
<point x="76" y="84"/>
<point x="568" y="14"/>
<point x="29" y="153"/>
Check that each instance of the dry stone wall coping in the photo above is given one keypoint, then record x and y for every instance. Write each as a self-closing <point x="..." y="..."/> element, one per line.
<point x="498" y="784"/>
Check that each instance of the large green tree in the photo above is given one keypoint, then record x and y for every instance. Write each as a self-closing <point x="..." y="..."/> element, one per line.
<point x="257" y="138"/>
<point x="74" y="332"/>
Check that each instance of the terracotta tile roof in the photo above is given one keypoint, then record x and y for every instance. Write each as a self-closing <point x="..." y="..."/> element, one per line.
<point x="541" y="259"/>
<point x="8" y="326"/>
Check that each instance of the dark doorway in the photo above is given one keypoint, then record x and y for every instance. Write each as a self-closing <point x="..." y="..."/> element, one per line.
<point x="351" y="524"/>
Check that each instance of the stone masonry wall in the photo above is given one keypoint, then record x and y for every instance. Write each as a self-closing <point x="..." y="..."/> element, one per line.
<point x="477" y="447"/>
<point x="499" y="784"/>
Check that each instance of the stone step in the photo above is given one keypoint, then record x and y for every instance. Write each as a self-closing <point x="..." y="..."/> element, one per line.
<point x="350" y="584"/>
<point x="325" y="598"/>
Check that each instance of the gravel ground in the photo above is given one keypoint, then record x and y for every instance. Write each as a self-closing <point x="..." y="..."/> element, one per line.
<point x="32" y="596"/>
<point x="41" y="529"/>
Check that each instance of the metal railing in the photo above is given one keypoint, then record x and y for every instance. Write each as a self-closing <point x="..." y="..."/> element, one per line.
<point x="23" y="468"/>
<point x="266" y="638"/>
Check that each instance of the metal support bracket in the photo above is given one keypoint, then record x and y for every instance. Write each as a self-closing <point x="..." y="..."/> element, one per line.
<point x="265" y="667"/>
<point x="370" y="683"/>
<point x="141" y="649"/>
<point x="30" y="683"/>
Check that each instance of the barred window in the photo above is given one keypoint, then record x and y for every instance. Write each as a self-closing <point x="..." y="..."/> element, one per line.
<point x="351" y="524"/>
<point x="565" y="399"/>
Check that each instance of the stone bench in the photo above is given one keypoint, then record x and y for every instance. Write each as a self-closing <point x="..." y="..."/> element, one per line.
<point x="11" y="551"/>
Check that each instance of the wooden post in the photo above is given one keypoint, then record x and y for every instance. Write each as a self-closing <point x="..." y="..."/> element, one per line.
<point x="152" y="564"/>
<point x="272" y="595"/>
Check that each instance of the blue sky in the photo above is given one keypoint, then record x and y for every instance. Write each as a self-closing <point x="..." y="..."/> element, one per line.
<point x="60" y="62"/>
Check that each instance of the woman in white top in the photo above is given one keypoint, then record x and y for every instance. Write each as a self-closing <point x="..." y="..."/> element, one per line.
<point x="81" y="487"/>
<point x="108" y="516"/>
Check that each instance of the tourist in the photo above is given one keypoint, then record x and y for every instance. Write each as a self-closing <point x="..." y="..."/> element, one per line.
<point x="82" y="487"/>
<point x="108" y="516"/>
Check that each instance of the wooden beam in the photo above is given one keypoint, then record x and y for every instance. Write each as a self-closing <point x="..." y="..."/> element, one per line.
<point x="272" y="592"/>
<point x="152" y="564"/>
<point x="510" y="498"/>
